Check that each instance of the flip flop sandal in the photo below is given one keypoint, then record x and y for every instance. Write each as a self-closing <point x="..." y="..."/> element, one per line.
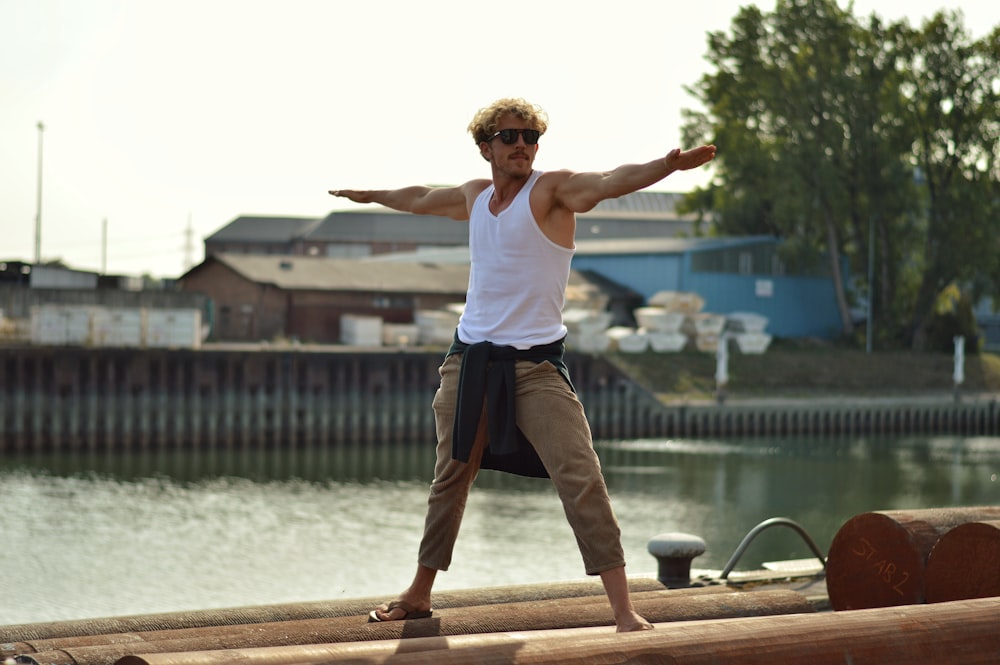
<point x="411" y="612"/>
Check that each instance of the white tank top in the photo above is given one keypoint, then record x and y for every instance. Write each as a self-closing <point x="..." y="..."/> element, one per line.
<point x="517" y="285"/>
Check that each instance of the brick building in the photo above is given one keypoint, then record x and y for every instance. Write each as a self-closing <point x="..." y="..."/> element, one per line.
<point x="265" y="297"/>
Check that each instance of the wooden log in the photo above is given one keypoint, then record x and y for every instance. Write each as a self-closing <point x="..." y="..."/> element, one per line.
<point x="953" y="633"/>
<point x="657" y="606"/>
<point x="878" y="559"/>
<point x="965" y="563"/>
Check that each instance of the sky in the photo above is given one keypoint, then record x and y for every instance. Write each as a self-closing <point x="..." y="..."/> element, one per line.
<point x="164" y="120"/>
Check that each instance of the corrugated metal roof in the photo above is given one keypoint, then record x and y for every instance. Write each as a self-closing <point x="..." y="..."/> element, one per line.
<point x="320" y="273"/>
<point x="249" y="228"/>
<point x="383" y="224"/>
<point x="301" y="273"/>
<point x="644" y="203"/>
<point x="624" y="246"/>
<point x="457" y="254"/>
<point x="664" y="245"/>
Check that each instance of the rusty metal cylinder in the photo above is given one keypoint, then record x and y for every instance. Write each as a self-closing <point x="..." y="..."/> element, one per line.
<point x="878" y="559"/>
<point x="965" y="563"/>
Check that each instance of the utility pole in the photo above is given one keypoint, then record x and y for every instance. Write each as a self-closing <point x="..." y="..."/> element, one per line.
<point x="870" y="326"/>
<point x="38" y="208"/>
<point x="104" y="247"/>
<point x="188" y="245"/>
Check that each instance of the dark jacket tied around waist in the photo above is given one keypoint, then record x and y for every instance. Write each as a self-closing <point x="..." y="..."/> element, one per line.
<point x="487" y="372"/>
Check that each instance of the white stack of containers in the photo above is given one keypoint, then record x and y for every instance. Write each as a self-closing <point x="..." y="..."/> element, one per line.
<point x="702" y="328"/>
<point x="400" y="334"/>
<point x="748" y="331"/>
<point x="86" y="325"/>
<point x="173" y="328"/>
<point x="61" y="325"/>
<point x="435" y="326"/>
<point x="586" y="329"/>
<point x="360" y="330"/>
<point x="627" y="340"/>
<point x="705" y="329"/>
<point x="662" y="328"/>
<point x="684" y="302"/>
<point x="118" y="327"/>
<point x="585" y="296"/>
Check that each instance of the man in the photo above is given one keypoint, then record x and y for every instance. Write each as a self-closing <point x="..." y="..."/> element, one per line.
<point x="505" y="400"/>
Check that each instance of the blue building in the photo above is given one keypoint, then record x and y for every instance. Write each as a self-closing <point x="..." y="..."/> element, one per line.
<point x="743" y="274"/>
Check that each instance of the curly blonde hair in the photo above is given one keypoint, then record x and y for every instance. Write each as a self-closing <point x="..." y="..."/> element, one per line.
<point x="484" y="124"/>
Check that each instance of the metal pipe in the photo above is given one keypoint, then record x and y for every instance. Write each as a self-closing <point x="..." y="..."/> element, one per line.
<point x="38" y="203"/>
<point x="767" y="524"/>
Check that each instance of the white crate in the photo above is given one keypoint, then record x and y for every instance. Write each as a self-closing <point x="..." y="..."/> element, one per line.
<point x="586" y="321"/>
<point x="435" y="326"/>
<point x="628" y="340"/>
<point x="752" y="342"/>
<point x="118" y="327"/>
<point x="61" y="325"/>
<point x="172" y="328"/>
<point x="685" y="302"/>
<point x="659" y="319"/>
<point x="400" y="334"/>
<point x="667" y="342"/>
<point x="704" y="324"/>
<point x="588" y="343"/>
<point x="360" y="330"/>
<point x="748" y="322"/>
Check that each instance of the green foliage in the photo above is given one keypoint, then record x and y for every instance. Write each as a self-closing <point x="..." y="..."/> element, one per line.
<point x="952" y="317"/>
<point x="862" y="140"/>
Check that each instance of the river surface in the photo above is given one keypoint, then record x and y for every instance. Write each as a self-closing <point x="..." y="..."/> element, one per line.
<point x="107" y="534"/>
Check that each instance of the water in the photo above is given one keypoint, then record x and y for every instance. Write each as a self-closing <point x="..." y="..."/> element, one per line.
<point x="106" y="534"/>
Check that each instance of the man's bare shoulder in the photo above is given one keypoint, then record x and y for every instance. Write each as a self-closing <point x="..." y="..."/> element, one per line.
<point x="555" y="177"/>
<point x="550" y="181"/>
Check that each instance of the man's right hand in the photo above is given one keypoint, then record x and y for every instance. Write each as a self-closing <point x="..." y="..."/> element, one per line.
<point x="356" y="195"/>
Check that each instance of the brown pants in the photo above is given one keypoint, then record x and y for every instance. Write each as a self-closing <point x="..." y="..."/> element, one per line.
<point x="553" y="419"/>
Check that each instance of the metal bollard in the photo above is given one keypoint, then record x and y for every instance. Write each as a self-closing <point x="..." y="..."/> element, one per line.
<point x="674" y="552"/>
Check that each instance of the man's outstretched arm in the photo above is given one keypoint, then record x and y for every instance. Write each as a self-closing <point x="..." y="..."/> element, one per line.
<point x="582" y="191"/>
<point x="444" y="201"/>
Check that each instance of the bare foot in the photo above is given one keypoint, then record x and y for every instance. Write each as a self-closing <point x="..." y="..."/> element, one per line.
<point x="632" y="623"/>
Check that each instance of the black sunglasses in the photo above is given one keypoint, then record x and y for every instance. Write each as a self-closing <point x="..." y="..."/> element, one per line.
<point x="509" y="136"/>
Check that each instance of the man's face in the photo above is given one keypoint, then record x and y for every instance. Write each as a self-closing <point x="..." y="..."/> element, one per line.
<point x="515" y="158"/>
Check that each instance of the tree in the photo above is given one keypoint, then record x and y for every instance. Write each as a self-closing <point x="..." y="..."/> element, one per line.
<point x="781" y="103"/>
<point x="952" y="99"/>
<point x="817" y="119"/>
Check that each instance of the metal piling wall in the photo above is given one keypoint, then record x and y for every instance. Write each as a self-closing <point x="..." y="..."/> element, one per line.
<point x="54" y="398"/>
